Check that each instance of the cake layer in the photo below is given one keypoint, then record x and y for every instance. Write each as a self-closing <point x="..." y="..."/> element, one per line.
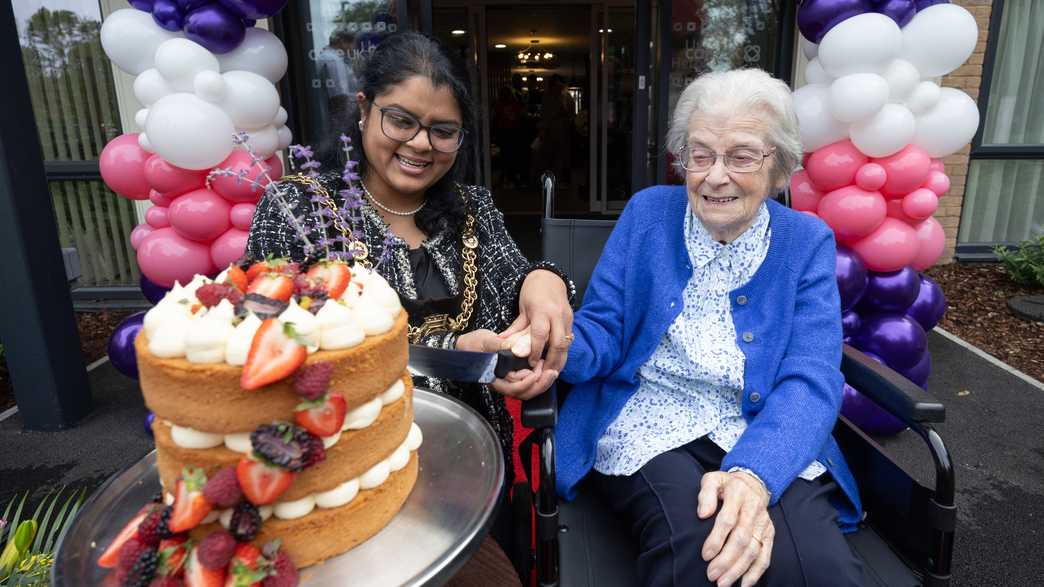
<point x="208" y="397"/>
<point x="325" y="533"/>
<point x="353" y="454"/>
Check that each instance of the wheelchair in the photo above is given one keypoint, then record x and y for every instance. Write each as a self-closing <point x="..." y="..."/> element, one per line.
<point x="905" y="538"/>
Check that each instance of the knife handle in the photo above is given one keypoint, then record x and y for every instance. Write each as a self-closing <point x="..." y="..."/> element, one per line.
<point x="508" y="362"/>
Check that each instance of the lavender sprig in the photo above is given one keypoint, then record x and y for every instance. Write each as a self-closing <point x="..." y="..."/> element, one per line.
<point x="303" y="156"/>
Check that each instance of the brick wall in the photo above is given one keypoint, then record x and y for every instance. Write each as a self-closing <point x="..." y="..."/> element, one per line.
<point x="967" y="77"/>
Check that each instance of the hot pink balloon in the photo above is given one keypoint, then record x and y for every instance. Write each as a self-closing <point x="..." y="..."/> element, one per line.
<point x="931" y="240"/>
<point x="166" y="178"/>
<point x="165" y="257"/>
<point x="852" y="212"/>
<point x="803" y="194"/>
<point x="907" y="170"/>
<point x="122" y="164"/>
<point x="200" y="215"/>
<point x="835" y="165"/>
<point x="242" y="188"/>
<point x="242" y="215"/>
<point x="228" y="247"/>
<point x="938" y="182"/>
<point x="159" y="199"/>
<point x="889" y="248"/>
<point x="871" y="177"/>
<point x="895" y="210"/>
<point x="920" y="203"/>
<point x="138" y="233"/>
<point x="158" y="216"/>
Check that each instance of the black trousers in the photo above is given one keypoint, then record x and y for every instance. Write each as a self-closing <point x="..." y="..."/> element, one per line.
<point x="659" y="501"/>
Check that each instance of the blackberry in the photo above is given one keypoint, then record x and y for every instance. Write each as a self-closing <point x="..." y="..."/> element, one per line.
<point x="246" y="522"/>
<point x="157" y="497"/>
<point x="144" y="569"/>
<point x="284" y="445"/>
<point x="163" y="528"/>
<point x="315" y="451"/>
<point x="312" y="381"/>
<point x="263" y="307"/>
<point x="148" y="530"/>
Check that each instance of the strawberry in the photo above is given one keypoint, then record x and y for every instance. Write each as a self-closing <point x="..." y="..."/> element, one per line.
<point x="237" y="277"/>
<point x="196" y="575"/>
<point x="272" y="285"/>
<point x="323" y="417"/>
<point x="190" y="507"/>
<point x="111" y="556"/>
<point x="172" y="553"/>
<point x="274" y="354"/>
<point x="262" y="483"/>
<point x="282" y="266"/>
<point x="247" y="567"/>
<point x="335" y="274"/>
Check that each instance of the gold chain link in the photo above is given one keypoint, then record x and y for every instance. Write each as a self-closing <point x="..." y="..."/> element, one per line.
<point x="358" y="249"/>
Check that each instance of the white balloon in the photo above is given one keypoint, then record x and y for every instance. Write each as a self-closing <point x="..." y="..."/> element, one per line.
<point x="886" y="133"/>
<point x="250" y="100"/>
<point x="150" y="86"/>
<point x="143" y="142"/>
<point x="866" y="43"/>
<point x="260" y="52"/>
<point x="189" y="132"/>
<point x="285" y="137"/>
<point x="210" y="86"/>
<point x="130" y="38"/>
<point x="263" y="141"/>
<point x="938" y="39"/>
<point x="180" y="60"/>
<point x="815" y="74"/>
<point x="140" y="117"/>
<point x="950" y="125"/>
<point x="809" y="48"/>
<point x="817" y="125"/>
<point x="902" y="77"/>
<point x="923" y="98"/>
<point x="281" y="116"/>
<point x="857" y="96"/>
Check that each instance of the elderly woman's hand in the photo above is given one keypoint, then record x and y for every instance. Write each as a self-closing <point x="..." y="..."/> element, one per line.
<point x="740" y="544"/>
<point x="523" y="384"/>
<point x="543" y="308"/>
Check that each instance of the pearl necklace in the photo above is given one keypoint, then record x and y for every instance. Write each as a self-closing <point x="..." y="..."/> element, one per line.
<point x="389" y="210"/>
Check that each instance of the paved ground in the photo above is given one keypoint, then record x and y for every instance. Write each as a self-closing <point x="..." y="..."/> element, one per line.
<point x="993" y="429"/>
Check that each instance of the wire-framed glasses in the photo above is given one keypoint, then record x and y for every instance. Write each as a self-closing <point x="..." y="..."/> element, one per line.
<point x="403" y="127"/>
<point x="739" y="160"/>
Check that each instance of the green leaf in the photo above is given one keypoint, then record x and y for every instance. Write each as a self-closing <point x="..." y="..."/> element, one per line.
<point x="49" y="501"/>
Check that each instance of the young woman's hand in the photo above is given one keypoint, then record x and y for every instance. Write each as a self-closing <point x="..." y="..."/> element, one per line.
<point x="523" y="384"/>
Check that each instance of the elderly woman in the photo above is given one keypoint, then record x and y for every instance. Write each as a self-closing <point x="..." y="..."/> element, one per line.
<point x="705" y="360"/>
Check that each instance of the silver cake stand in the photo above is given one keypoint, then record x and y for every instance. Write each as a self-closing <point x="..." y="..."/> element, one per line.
<point x="442" y="524"/>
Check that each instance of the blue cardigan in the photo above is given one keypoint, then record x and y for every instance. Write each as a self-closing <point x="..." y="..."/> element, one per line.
<point x="788" y="325"/>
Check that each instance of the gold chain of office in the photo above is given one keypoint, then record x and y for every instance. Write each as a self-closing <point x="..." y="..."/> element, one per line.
<point x="361" y="252"/>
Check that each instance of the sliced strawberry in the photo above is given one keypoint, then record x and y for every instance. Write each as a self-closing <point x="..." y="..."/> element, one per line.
<point x="172" y="554"/>
<point x="190" y="507"/>
<point x="247" y="567"/>
<point x="283" y="266"/>
<point x="324" y="416"/>
<point x="262" y="483"/>
<point x="274" y="354"/>
<point x="335" y="274"/>
<point x="272" y="285"/>
<point x="197" y="575"/>
<point x="111" y="556"/>
<point x="237" y="277"/>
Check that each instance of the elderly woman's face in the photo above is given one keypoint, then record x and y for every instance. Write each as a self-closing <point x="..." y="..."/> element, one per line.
<point x="726" y="201"/>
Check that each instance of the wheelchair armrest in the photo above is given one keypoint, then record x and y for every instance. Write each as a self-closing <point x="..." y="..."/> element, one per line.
<point x="541" y="411"/>
<point x="890" y="390"/>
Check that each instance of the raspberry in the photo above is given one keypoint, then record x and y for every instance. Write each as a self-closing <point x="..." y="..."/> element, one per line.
<point x="129" y="554"/>
<point x="246" y="522"/>
<point x="148" y="530"/>
<point x="313" y="380"/>
<point x="216" y="549"/>
<point x="211" y="294"/>
<point x="283" y="572"/>
<point x="222" y="489"/>
<point x="144" y="569"/>
<point x="285" y="445"/>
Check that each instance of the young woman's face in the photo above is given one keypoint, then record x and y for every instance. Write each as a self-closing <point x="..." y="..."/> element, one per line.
<point x="409" y="168"/>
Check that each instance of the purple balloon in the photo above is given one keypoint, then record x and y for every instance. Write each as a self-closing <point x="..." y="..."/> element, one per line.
<point x="121" y="345"/>
<point x="149" y="419"/>
<point x="153" y="292"/>
<point x="188" y="6"/>
<point x="145" y="5"/>
<point x="929" y="306"/>
<point x="851" y="277"/>
<point x="899" y="340"/>
<point x="901" y="11"/>
<point x="922" y="4"/>
<point x="215" y="28"/>
<point x="891" y="292"/>
<point x="919" y="372"/>
<point x="868" y="416"/>
<point x="850" y="324"/>
<point x="816" y="17"/>
<point x="255" y="9"/>
<point x="168" y="15"/>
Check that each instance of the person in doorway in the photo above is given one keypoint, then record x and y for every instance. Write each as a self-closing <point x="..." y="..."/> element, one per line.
<point x="556" y="129"/>
<point x="508" y="114"/>
<point x="336" y="76"/>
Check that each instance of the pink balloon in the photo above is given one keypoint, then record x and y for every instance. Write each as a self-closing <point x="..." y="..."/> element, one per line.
<point x="242" y="215"/>
<point x="937" y="165"/>
<point x="228" y="247"/>
<point x="803" y="195"/>
<point x="166" y="178"/>
<point x="931" y="240"/>
<point x="835" y="165"/>
<point x="158" y="216"/>
<point x="895" y="210"/>
<point x="889" y="248"/>
<point x="200" y="215"/>
<point x="138" y="233"/>
<point x="242" y="188"/>
<point x="871" y="177"/>
<point x="920" y="203"/>
<point x="122" y="164"/>
<point x="852" y="213"/>
<point x="159" y="199"/>
<point x="165" y="257"/>
<point x="276" y="166"/>
<point x="938" y="182"/>
<point x="907" y="170"/>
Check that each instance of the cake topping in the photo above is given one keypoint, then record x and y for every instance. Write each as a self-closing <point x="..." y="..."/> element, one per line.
<point x="275" y="353"/>
<point x="277" y="286"/>
<point x="245" y="522"/>
<point x="262" y="483"/>
<point x="285" y="445"/>
<point x="222" y="489"/>
<point x="216" y="550"/>
<point x="312" y="381"/>
<point x="212" y="294"/>
<point x="110" y="557"/>
<point x="148" y="530"/>
<point x="273" y="265"/>
<point x="143" y="569"/>
<point x="306" y="325"/>
<point x="322" y="417"/>
<point x="333" y="275"/>
<point x="172" y="554"/>
<point x="234" y="276"/>
<point x="238" y="345"/>
<point x="197" y="575"/>
<point x="247" y="566"/>
<point x="263" y="307"/>
<point x="283" y="572"/>
<point x="208" y="334"/>
<point x="190" y="507"/>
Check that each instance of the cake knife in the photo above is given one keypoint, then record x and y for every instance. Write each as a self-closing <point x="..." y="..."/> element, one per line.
<point x="465" y="366"/>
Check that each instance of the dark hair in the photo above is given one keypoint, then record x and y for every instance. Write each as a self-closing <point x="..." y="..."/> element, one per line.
<point x="396" y="59"/>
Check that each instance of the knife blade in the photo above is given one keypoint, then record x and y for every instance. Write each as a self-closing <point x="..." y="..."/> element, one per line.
<point x="464" y="366"/>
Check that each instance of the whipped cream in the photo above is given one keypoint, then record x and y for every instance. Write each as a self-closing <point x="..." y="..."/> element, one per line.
<point x="186" y="437"/>
<point x="338" y="327"/>
<point x="305" y="324"/>
<point x="362" y="416"/>
<point x="237" y="347"/>
<point x="209" y="332"/>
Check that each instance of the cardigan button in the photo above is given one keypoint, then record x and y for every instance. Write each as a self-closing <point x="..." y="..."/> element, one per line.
<point x="741" y="300"/>
<point x="755" y="397"/>
<point x="748" y="336"/>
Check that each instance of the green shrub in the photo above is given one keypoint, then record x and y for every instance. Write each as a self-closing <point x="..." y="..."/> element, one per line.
<point x="27" y="545"/>
<point x="1025" y="264"/>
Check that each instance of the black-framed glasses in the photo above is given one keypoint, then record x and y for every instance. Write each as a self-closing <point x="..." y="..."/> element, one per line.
<point x="402" y="127"/>
<point x="740" y="160"/>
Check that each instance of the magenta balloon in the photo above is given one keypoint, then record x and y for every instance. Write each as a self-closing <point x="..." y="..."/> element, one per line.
<point x="907" y="170"/>
<point x="254" y="9"/>
<point x="938" y="182"/>
<point x="171" y="180"/>
<point x="122" y="166"/>
<point x="931" y="240"/>
<point x="868" y="416"/>
<point x="892" y="246"/>
<point x="835" y="165"/>
<point x="159" y="199"/>
<point x="920" y="203"/>
<point x="816" y="17"/>
<point x="890" y="292"/>
<point x="242" y="216"/>
<point x="852" y="213"/>
<point x="851" y="277"/>
<point x="214" y="27"/>
<point x="165" y="257"/>
<point x="200" y="215"/>
<point x="929" y="306"/>
<point x="803" y="193"/>
<point x="871" y="177"/>
<point x="241" y="187"/>
<point x="138" y="233"/>
<point x="228" y="247"/>
<point x="121" y="345"/>
<point x="158" y="217"/>
<point x="899" y="340"/>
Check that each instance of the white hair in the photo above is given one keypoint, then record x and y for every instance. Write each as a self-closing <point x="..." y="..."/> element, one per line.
<point x="741" y="91"/>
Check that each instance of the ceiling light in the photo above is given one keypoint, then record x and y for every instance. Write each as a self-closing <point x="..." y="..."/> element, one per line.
<point x="500" y="46"/>
<point x="458" y="32"/>
<point x="525" y="79"/>
<point x="540" y="79"/>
